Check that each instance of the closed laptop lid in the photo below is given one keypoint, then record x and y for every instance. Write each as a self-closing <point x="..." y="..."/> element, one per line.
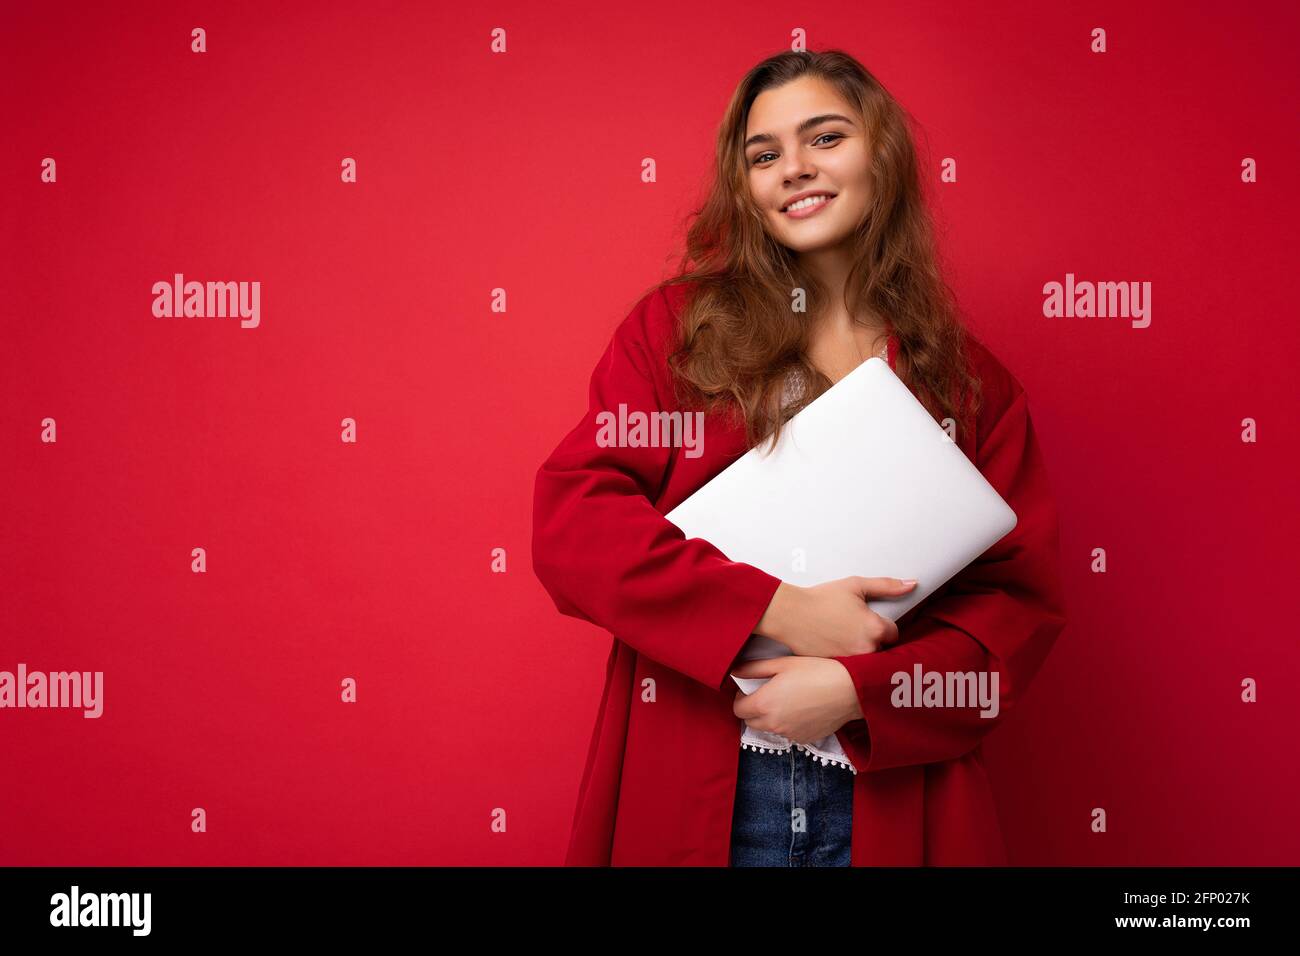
<point x="863" y="481"/>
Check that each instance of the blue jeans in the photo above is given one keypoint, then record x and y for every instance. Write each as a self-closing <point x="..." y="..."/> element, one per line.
<point x="767" y="830"/>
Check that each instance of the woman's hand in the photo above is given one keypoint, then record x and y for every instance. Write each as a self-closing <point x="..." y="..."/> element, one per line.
<point x="832" y="619"/>
<point x="807" y="698"/>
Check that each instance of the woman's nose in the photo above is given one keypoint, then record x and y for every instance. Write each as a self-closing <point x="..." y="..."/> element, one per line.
<point x="798" y="166"/>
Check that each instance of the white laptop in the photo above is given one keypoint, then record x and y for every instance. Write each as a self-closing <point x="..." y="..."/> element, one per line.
<point x="862" y="482"/>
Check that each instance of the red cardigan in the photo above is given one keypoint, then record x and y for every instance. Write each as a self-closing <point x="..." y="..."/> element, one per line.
<point x="660" y="776"/>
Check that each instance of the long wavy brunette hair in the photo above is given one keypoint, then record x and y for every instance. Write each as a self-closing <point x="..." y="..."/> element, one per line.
<point x="739" y="340"/>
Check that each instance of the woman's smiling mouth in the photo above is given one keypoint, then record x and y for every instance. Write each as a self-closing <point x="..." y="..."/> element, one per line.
<point x="807" y="207"/>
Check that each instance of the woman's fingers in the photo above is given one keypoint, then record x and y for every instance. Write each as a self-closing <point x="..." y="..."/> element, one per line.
<point x="764" y="667"/>
<point x="882" y="587"/>
<point x="743" y="706"/>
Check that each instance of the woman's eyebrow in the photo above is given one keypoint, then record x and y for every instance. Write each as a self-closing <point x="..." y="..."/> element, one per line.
<point x="803" y="128"/>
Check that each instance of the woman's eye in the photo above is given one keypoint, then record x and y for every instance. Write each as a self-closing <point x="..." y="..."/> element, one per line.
<point x="837" y="136"/>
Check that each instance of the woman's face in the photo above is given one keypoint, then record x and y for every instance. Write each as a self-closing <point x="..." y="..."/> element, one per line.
<point x="789" y="151"/>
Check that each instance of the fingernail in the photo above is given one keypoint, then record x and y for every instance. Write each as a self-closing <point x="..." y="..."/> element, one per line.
<point x="909" y="580"/>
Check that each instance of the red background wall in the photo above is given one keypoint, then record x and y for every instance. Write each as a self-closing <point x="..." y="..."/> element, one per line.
<point x="521" y="171"/>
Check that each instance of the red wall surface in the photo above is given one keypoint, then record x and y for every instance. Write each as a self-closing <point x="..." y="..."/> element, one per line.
<point x="373" y="559"/>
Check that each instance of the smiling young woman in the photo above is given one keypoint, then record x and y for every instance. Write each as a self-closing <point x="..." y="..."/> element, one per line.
<point x="811" y="252"/>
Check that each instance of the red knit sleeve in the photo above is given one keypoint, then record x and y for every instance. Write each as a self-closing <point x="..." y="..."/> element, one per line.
<point x="1002" y="614"/>
<point x="606" y="554"/>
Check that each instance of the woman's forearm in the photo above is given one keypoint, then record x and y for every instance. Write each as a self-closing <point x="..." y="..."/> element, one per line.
<point x="779" y="620"/>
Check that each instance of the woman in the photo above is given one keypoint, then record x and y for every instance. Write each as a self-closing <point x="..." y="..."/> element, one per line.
<point x="812" y="252"/>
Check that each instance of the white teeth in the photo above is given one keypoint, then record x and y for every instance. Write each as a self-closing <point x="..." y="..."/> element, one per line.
<point x="805" y="203"/>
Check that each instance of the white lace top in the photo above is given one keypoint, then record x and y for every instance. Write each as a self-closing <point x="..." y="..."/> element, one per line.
<point x="828" y="750"/>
